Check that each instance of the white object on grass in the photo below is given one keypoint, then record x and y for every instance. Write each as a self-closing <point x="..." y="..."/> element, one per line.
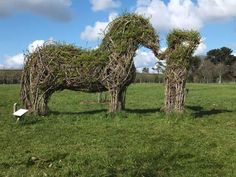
<point x="20" y="112"/>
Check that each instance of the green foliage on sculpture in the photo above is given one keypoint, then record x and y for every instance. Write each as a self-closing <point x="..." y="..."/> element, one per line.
<point x="181" y="45"/>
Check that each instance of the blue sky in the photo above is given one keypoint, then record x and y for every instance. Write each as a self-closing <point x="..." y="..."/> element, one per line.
<point x="25" y="22"/>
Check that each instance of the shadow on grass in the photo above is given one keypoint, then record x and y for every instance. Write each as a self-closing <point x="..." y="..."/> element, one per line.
<point x="30" y="121"/>
<point x="78" y="113"/>
<point x="90" y="112"/>
<point x="143" y="111"/>
<point x="200" y="112"/>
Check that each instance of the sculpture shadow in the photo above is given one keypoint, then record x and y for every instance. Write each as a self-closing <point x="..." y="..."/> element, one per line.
<point x="199" y="111"/>
<point x="143" y="111"/>
<point x="89" y="112"/>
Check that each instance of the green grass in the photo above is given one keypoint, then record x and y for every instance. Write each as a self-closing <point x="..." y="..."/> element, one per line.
<point x="83" y="140"/>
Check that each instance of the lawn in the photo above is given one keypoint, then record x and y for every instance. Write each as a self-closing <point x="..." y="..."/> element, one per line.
<point x="79" y="138"/>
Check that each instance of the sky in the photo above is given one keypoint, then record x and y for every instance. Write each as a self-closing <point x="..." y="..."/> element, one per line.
<point x="27" y="24"/>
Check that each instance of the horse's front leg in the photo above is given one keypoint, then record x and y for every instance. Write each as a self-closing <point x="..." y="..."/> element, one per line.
<point x="117" y="101"/>
<point x="43" y="105"/>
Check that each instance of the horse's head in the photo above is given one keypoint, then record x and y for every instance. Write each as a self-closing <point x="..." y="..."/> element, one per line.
<point x="149" y="38"/>
<point x="145" y="33"/>
<point x="132" y="30"/>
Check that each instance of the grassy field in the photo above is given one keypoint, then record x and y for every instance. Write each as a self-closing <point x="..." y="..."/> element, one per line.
<point x="81" y="139"/>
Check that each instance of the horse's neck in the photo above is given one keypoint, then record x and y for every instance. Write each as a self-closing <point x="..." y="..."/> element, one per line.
<point x="112" y="47"/>
<point x="130" y="50"/>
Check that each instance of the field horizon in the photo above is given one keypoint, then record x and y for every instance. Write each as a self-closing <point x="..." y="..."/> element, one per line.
<point x="79" y="138"/>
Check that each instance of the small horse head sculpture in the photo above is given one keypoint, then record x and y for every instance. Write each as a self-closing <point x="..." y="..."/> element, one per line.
<point x="181" y="45"/>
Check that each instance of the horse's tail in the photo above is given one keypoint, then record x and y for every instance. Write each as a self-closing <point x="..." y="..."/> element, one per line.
<point x="25" y="92"/>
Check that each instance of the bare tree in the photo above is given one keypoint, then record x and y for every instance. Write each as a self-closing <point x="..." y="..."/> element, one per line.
<point x="221" y="70"/>
<point x="207" y="70"/>
<point x="233" y="69"/>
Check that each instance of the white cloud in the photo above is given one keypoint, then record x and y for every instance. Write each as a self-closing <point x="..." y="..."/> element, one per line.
<point x="34" y="45"/>
<point x="185" y="14"/>
<point x="96" y="32"/>
<point x="16" y="61"/>
<point x="163" y="49"/>
<point x="217" y="9"/>
<point x="201" y="49"/>
<point x="98" y="5"/>
<point x="54" y="9"/>
<point x="144" y="59"/>
<point x="175" y="14"/>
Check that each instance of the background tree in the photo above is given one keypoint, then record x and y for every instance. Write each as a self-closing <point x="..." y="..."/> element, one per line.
<point x="160" y="68"/>
<point x="207" y="71"/>
<point x="220" y="69"/>
<point x="145" y="70"/>
<point x="195" y="64"/>
<point x="222" y="58"/>
<point x="233" y="71"/>
<point x="222" y="55"/>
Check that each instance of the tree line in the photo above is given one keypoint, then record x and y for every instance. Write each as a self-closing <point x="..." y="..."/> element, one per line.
<point x="10" y="76"/>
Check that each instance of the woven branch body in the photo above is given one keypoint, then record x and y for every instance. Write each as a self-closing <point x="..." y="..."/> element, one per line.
<point x="175" y="89"/>
<point x="110" y="68"/>
<point x="181" y="45"/>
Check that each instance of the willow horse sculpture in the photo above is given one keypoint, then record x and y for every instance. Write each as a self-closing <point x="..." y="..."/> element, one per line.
<point x="110" y="67"/>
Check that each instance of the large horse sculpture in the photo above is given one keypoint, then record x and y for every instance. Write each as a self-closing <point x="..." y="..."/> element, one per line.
<point x="110" y="67"/>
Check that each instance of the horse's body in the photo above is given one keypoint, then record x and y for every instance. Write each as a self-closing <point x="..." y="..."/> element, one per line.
<point x="77" y="76"/>
<point x="108" y="68"/>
